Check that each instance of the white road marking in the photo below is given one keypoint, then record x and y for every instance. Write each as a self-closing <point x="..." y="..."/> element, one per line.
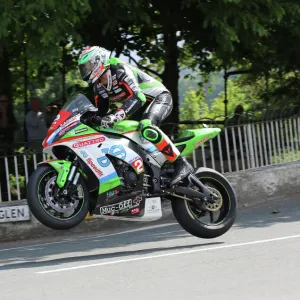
<point x="90" y="237"/>
<point x="171" y="254"/>
<point x="30" y="249"/>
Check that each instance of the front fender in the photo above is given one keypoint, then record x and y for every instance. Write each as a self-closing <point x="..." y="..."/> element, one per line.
<point x="62" y="167"/>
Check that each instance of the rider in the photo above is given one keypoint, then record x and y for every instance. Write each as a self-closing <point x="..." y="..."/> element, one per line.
<point x="116" y="82"/>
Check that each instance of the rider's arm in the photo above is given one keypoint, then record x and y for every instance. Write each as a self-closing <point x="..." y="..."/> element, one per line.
<point x="136" y="98"/>
<point x="101" y="101"/>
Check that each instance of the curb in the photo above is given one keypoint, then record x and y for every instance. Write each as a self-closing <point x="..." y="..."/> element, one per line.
<point x="33" y="229"/>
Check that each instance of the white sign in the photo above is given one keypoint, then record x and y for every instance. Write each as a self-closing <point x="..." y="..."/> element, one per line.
<point x="153" y="208"/>
<point x="14" y="213"/>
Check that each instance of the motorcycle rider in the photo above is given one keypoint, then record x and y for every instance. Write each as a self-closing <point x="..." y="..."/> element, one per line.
<point x="118" y="83"/>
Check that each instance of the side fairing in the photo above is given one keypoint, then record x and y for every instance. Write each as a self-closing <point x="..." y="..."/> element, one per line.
<point x="93" y="151"/>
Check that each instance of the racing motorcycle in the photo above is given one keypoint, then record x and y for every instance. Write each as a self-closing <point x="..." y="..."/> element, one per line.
<point x="114" y="173"/>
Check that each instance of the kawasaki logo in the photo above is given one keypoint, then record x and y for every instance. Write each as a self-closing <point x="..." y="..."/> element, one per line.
<point x="88" y="142"/>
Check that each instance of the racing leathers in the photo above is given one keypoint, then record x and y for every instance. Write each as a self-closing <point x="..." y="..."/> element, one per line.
<point x="127" y="92"/>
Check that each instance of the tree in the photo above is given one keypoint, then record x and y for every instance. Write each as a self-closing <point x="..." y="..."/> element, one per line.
<point x="238" y="94"/>
<point x="32" y="33"/>
<point x="193" y="106"/>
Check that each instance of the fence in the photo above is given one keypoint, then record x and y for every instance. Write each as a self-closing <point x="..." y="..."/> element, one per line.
<point x="236" y="148"/>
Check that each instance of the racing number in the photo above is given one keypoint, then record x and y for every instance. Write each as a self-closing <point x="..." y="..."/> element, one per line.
<point x="138" y="165"/>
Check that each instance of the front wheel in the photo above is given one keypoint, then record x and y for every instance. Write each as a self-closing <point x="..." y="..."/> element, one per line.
<point x="54" y="211"/>
<point x="212" y="220"/>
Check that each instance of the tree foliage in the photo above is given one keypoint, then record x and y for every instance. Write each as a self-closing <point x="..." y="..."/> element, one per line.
<point x="194" y="106"/>
<point x="42" y="39"/>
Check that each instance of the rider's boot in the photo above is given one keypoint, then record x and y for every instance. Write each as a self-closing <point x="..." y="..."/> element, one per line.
<point x="182" y="169"/>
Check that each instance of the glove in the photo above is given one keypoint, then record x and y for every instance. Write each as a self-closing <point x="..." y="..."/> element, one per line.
<point x="108" y="121"/>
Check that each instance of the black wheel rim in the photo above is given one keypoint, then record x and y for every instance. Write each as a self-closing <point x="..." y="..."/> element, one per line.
<point x="57" y="207"/>
<point x="215" y="217"/>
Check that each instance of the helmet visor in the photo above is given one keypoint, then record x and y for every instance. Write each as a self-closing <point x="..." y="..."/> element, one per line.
<point x="86" y="69"/>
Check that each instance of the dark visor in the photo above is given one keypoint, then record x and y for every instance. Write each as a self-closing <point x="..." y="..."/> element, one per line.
<point x="86" y="69"/>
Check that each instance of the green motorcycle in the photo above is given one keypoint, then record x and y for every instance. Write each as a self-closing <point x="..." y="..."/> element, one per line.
<point x="116" y="174"/>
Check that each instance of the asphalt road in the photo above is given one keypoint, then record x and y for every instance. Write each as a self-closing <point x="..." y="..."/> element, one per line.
<point x="259" y="258"/>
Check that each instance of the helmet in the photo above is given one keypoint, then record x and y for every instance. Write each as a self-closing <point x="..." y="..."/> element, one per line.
<point x="92" y="63"/>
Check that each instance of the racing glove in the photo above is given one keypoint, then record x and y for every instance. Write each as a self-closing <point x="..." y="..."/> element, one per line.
<point x="106" y="121"/>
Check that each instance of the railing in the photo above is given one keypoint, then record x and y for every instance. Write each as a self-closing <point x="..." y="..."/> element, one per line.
<point x="250" y="146"/>
<point x="236" y="148"/>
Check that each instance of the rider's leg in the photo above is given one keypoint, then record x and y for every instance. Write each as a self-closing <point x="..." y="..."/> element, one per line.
<point x="157" y="111"/>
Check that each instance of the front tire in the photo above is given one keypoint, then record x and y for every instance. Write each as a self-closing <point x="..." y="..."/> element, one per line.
<point x="188" y="215"/>
<point x="51" y="211"/>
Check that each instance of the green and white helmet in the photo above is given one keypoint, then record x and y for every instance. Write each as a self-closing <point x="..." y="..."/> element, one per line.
<point x="92" y="63"/>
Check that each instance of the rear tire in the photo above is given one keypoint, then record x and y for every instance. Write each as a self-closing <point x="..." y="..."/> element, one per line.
<point x="189" y="221"/>
<point x="41" y="209"/>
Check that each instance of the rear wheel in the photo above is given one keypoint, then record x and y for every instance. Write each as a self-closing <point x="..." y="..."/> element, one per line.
<point x="48" y="207"/>
<point x="212" y="220"/>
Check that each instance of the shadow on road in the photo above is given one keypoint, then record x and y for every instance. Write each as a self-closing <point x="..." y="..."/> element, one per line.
<point x="86" y="258"/>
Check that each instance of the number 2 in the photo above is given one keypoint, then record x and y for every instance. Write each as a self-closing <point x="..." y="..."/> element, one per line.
<point x="138" y="165"/>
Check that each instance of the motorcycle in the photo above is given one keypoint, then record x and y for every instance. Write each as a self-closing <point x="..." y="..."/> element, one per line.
<point x="114" y="173"/>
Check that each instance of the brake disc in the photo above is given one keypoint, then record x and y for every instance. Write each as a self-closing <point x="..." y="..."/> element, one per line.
<point x="218" y="200"/>
<point x="57" y="204"/>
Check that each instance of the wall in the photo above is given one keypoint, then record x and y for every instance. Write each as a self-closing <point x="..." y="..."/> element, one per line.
<point x="268" y="183"/>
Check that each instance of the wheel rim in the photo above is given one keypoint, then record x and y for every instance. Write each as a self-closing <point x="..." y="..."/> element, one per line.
<point x="215" y="213"/>
<point x="60" y="208"/>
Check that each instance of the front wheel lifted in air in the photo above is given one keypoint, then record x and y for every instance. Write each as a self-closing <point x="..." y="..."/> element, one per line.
<point x="49" y="206"/>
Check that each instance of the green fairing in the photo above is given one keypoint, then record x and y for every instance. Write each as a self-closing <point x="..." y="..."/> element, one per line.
<point x="198" y="137"/>
<point x="126" y="125"/>
<point x="71" y="133"/>
<point x="63" y="168"/>
<point x="108" y="185"/>
<point x="121" y="127"/>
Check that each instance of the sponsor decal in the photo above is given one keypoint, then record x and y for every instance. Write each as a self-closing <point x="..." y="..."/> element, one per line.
<point x="112" y="193"/>
<point x="135" y="211"/>
<point x="116" y="208"/>
<point x="67" y="128"/>
<point x="84" y="154"/>
<point x="118" y="96"/>
<point x="138" y="165"/>
<point x="79" y="130"/>
<point x="91" y="163"/>
<point x="117" y="90"/>
<point x="120" y="207"/>
<point x="102" y="91"/>
<point x="132" y="104"/>
<point x="73" y="119"/>
<point x="116" y="150"/>
<point x="88" y="142"/>
<point x="115" y="82"/>
<point x="202" y="141"/>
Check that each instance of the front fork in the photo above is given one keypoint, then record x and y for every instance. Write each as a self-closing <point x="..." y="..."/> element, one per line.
<point x="72" y="177"/>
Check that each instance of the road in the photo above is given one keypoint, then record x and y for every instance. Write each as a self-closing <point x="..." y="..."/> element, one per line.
<point x="259" y="258"/>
